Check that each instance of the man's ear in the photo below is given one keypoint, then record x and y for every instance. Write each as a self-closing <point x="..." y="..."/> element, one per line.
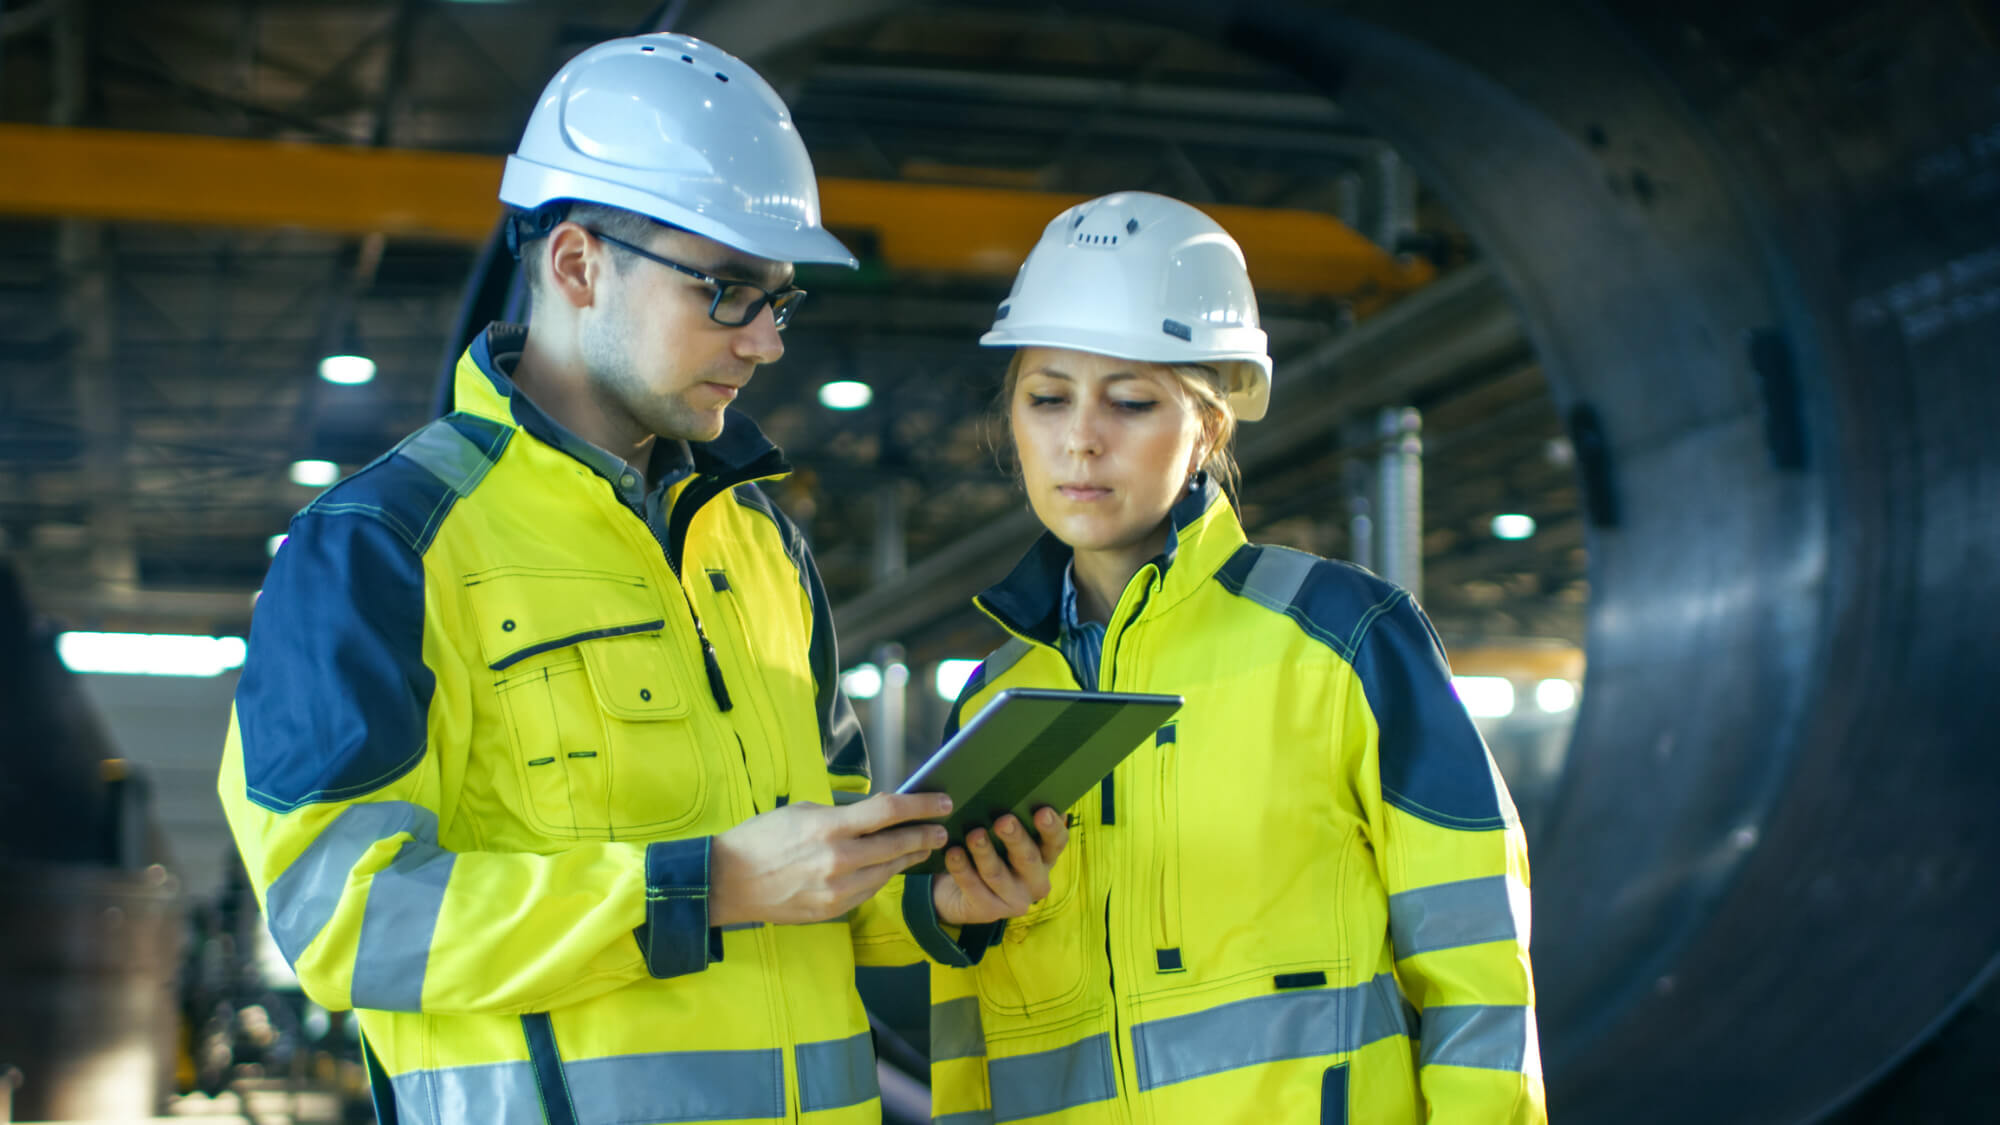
<point x="575" y="264"/>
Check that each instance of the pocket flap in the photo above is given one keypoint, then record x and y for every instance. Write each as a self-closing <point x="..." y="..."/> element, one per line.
<point x="634" y="678"/>
<point x="523" y="611"/>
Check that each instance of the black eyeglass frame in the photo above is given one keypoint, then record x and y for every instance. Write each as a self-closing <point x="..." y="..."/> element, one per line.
<point x="783" y="302"/>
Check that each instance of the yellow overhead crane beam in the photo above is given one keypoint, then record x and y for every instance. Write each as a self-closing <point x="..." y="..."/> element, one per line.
<point x="919" y="227"/>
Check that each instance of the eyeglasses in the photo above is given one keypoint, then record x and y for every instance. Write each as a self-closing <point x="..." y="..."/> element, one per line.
<point x="736" y="303"/>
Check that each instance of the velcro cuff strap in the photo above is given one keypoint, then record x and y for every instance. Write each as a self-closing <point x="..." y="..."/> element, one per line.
<point x="675" y="937"/>
<point x="921" y="916"/>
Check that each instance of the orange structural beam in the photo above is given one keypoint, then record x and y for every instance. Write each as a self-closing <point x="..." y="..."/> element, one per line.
<point x="917" y="227"/>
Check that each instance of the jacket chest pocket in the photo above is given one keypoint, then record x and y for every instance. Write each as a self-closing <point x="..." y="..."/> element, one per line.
<point x="595" y="703"/>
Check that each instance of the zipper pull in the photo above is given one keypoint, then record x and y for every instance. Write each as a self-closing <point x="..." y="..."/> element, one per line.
<point x="716" y="687"/>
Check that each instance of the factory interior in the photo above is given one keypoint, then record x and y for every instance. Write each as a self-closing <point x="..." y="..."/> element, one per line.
<point x="1650" y="346"/>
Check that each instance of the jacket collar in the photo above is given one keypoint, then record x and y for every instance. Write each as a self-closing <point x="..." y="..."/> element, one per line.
<point x="483" y="385"/>
<point x="1202" y="534"/>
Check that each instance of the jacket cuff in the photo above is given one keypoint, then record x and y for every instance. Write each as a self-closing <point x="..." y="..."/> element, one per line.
<point x="676" y="938"/>
<point x="920" y="915"/>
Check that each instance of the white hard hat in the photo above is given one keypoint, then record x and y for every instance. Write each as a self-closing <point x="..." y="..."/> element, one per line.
<point x="1144" y="277"/>
<point x="679" y="130"/>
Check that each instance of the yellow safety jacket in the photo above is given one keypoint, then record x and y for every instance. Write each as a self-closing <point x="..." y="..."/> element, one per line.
<point x="498" y="699"/>
<point x="1305" y="900"/>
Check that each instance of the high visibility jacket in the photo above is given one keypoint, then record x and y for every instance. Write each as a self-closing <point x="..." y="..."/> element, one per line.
<point x="496" y="704"/>
<point x="1305" y="899"/>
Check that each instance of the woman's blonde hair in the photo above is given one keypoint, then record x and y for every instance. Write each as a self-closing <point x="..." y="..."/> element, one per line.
<point x="1206" y="387"/>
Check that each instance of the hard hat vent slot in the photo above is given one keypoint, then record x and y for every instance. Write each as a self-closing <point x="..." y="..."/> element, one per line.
<point x="721" y="77"/>
<point x="645" y="50"/>
<point x="1002" y="314"/>
<point x="687" y="58"/>
<point x="1131" y="226"/>
<point x="1177" y="329"/>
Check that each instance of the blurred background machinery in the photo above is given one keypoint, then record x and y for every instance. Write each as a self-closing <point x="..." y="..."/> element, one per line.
<point x="1649" y="339"/>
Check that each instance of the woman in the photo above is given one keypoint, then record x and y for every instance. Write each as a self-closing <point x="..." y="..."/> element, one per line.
<point x="1260" y="910"/>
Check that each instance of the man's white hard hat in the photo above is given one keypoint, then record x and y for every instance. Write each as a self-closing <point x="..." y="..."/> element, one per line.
<point x="678" y="130"/>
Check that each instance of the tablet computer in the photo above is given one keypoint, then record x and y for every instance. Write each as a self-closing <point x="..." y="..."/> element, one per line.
<point x="1030" y="747"/>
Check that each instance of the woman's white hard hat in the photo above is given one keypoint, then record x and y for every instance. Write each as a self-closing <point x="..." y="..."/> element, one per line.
<point x="681" y="131"/>
<point x="1142" y="277"/>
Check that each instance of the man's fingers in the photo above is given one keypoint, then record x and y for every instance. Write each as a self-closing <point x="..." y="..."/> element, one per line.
<point x="884" y="809"/>
<point x="891" y="844"/>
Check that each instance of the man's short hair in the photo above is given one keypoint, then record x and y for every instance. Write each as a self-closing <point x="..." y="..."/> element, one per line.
<point x="626" y="226"/>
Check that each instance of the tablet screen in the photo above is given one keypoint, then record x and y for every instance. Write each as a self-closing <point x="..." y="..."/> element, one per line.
<point x="1030" y="747"/>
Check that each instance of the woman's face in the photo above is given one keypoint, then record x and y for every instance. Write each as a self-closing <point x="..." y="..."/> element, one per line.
<point x="1106" y="445"/>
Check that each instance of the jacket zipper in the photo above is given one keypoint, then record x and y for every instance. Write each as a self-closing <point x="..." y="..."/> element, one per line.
<point x="1107" y="678"/>
<point x="1169" y="934"/>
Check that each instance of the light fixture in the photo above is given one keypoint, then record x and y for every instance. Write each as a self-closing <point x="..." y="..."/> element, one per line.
<point x="1555" y="696"/>
<point x="1485" y="697"/>
<point x="845" y="394"/>
<point x="314" y="474"/>
<point x="1513" y="525"/>
<point x="863" y="681"/>
<point x="951" y="676"/>
<point x="347" y="370"/>
<point x="272" y="544"/>
<point x="150" y="654"/>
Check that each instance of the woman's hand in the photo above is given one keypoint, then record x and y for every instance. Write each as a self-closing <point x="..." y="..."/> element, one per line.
<point x="985" y="888"/>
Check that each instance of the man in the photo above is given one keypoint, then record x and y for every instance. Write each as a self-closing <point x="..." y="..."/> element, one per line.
<point x="536" y="755"/>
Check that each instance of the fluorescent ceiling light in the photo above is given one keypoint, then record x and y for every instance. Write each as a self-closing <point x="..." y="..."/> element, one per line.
<point x="863" y="681"/>
<point x="1513" y="526"/>
<point x="315" y="474"/>
<point x="1555" y="696"/>
<point x="347" y="370"/>
<point x="951" y="676"/>
<point x="846" y="394"/>
<point x="1485" y="697"/>
<point x="150" y="654"/>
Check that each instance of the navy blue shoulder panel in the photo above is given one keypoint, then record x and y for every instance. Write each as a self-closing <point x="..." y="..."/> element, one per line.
<point x="839" y="730"/>
<point x="1434" y="763"/>
<point x="413" y="487"/>
<point x="335" y="697"/>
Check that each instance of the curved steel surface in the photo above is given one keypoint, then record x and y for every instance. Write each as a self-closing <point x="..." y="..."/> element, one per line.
<point x="1757" y="248"/>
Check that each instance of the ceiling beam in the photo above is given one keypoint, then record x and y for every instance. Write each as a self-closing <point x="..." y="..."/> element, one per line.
<point x="925" y="228"/>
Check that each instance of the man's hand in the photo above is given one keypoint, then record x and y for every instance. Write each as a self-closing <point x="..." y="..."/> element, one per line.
<point x="810" y="863"/>
<point x="986" y="888"/>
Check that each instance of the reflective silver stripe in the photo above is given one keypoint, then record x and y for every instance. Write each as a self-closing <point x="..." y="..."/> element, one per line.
<point x="1001" y="659"/>
<point x="678" y="1086"/>
<point x="499" y="1093"/>
<point x="956" y="1032"/>
<point x="1485" y="1036"/>
<point x="302" y="900"/>
<point x="847" y="797"/>
<point x="836" y="1073"/>
<point x="969" y="1117"/>
<point x="404" y="901"/>
<point x="449" y="455"/>
<point x="1449" y="915"/>
<point x="733" y="927"/>
<point x="1277" y="576"/>
<point x="1050" y="1081"/>
<point x="1284" y="1025"/>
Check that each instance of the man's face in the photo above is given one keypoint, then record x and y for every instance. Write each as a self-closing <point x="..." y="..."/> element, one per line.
<point x="652" y="349"/>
